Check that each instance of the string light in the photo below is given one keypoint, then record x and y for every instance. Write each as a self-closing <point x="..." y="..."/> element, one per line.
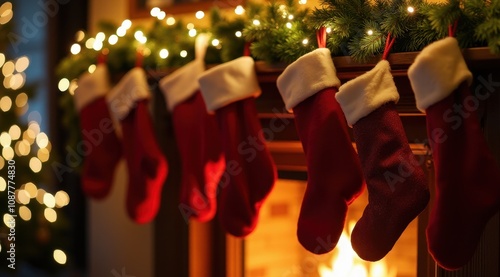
<point x="3" y="183"/>
<point x="2" y="59"/>
<point x="192" y="33"/>
<point x="170" y="21"/>
<point x="63" y="84"/>
<point x="239" y="10"/>
<point x="113" y="39"/>
<point x="25" y="213"/>
<point x="79" y="36"/>
<point x="256" y="22"/>
<point x="49" y="200"/>
<point x="155" y="11"/>
<point x="22" y="197"/>
<point x="200" y="14"/>
<point x="126" y="24"/>
<point x="75" y="48"/>
<point x="5" y="139"/>
<point x="6" y="13"/>
<point x="302" y="2"/>
<point x="8" y="68"/>
<point x="5" y="103"/>
<point x="163" y="53"/>
<point x="238" y="34"/>
<point x="22" y="64"/>
<point x="121" y="31"/>
<point x="35" y="164"/>
<point x="91" y="68"/>
<point x="8" y="153"/>
<point x="50" y="214"/>
<point x="31" y="189"/>
<point x="100" y="36"/>
<point x="305" y="41"/>
<point x="289" y="25"/>
<point x="410" y="9"/>
<point x="161" y="15"/>
<point x="184" y="53"/>
<point x="62" y="199"/>
<point x="97" y="45"/>
<point x="89" y="43"/>
<point x="190" y="26"/>
<point x="15" y="131"/>
<point x="215" y="42"/>
<point x="369" y="32"/>
<point x="290" y="17"/>
<point x="328" y="30"/>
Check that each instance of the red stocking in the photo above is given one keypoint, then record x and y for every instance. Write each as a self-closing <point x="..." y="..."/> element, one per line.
<point x="229" y="90"/>
<point x="397" y="187"/>
<point x="147" y="168"/>
<point x="467" y="175"/>
<point x="198" y="141"/>
<point x="98" y="133"/>
<point x="308" y="86"/>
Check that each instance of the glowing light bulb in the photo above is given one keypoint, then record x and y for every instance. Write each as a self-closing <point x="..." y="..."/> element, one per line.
<point x="200" y="14"/>
<point x="302" y="2"/>
<point x="163" y="53"/>
<point x="121" y="31"/>
<point x="238" y="34"/>
<point x="184" y="53"/>
<point x="161" y="15"/>
<point x="215" y="42"/>
<point x="256" y="22"/>
<point x="410" y="9"/>
<point x="92" y="68"/>
<point x="328" y="30"/>
<point x="100" y="36"/>
<point x="190" y="26"/>
<point x="154" y="11"/>
<point x="369" y="32"/>
<point x="113" y="39"/>
<point x="126" y="24"/>
<point x="239" y="10"/>
<point x="63" y="84"/>
<point x="192" y="33"/>
<point x="289" y="25"/>
<point x="75" y="48"/>
<point x="290" y="17"/>
<point x="170" y="21"/>
<point x="305" y="41"/>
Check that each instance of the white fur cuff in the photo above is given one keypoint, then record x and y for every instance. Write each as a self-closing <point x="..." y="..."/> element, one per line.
<point x="91" y="86"/>
<point x="131" y="88"/>
<point x="437" y="71"/>
<point x="182" y="83"/>
<point x="364" y="94"/>
<point x="228" y="83"/>
<point x="306" y="76"/>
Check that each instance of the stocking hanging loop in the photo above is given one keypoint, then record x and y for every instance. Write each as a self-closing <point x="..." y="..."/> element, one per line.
<point x="321" y="37"/>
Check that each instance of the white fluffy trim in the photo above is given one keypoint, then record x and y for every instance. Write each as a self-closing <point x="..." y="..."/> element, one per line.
<point x="437" y="71"/>
<point x="131" y="88"/>
<point x="92" y="86"/>
<point x="364" y="94"/>
<point x="228" y="83"/>
<point x="182" y="83"/>
<point x="306" y="76"/>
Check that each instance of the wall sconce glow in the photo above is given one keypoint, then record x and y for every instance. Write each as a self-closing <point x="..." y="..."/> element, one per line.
<point x="161" y="15"/>
<point x="184" y="53"/>
<point x="238" y="34"/>
<point x="305" y="41"/>
<point x="113" y="39"/>
<point x="411" y="9"/>
<point x="215" y="42"/>
<point x="192" y="33"/>
<point x="256" y="22"/>
<point x="60" y="256"/>
<point x="163" y="53"/>
<point x="369" y="32"/>
<point x="239" y="10"/>
<point x="63" y="84"/>
<point x="200" y="14"/>
<point x="170" y="21"/>
<point x="155" y="11"/>
<point x="75" y="48"/>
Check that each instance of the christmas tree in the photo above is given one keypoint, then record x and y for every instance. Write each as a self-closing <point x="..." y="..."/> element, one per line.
<point x="34" y="227"/>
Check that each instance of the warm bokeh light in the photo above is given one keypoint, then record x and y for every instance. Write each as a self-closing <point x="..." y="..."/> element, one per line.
<point x="63" y="84"/>
<point x="15" y="132"/>
<point x="184" y="53"/>
<point x="22" y="197"/>
<point x="113" y="39"/>
<point x="7" y="219"/>
<point x="25" y="213"/>
<point x="3" y="183"/>
<point x="35" y="165"/>
<point x="49" y="200"/>
<point x="42" y="140"/>
<point x="5" y="103"/>
<point x="60" y="256"/>
<point x="239" y="10"/>
<point x="163" y="53"/>
<point x="21" y="100"/>
<point x="8" y="153"/>
<point x="22" y="63"/>
<point x="50" y="214"/>
<point x="75" y="48"/>
<point x="199" y="14"/>
<point x="192" y="33"/>
<point x="170" y="21"/>
<point x="92" y="68"/>
<point x="62" y="199"/>
<point x="31" y="189"/>
<point x="5" y="139"/>
<point x="43" y="154"/>
<point x="40" y="195"/>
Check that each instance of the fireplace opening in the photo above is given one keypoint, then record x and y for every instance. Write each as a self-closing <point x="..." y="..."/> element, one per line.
<point x="273" y="249"/>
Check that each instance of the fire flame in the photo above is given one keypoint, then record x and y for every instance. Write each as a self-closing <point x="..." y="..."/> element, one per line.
<point x="346" y="263"/>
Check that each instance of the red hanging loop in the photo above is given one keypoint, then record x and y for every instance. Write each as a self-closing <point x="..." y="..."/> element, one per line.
<point x="388" y="45"/>
<point x="139" y="58"/>
<point x="452" y="28"/>
<point x="321" y="37"/>
<point x="246" y="49"/>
